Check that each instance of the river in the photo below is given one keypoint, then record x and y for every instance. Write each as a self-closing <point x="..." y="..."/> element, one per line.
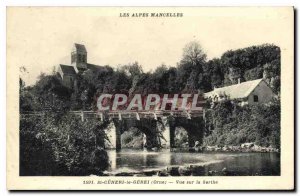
<point x="212" y="163"/>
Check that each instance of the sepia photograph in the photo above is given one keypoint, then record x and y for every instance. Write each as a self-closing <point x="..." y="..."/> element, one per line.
<point x="162" y="96"/>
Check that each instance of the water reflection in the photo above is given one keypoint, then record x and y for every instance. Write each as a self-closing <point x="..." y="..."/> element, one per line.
<point x="235" y="163"/>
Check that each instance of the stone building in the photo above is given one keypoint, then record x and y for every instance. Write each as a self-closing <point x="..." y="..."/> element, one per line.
<point x="78" y="65"/>
<point x="250" y="92"/>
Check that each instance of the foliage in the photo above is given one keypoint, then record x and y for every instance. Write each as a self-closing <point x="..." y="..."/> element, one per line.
<point x="48" y="94"/>
<point x="251" y="63"/>
<point x="55" y="144"/>
<point x="181" y="137"/>
<point x="230" y="124"/>
<point x="132" y="138"/>
<point x="192" y="74"/>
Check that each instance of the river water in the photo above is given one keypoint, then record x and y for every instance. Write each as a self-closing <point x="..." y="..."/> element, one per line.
<point x="236" y="163"/>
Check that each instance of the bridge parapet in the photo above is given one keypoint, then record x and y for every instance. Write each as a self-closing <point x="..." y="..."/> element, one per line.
<point x="136" y="115"/>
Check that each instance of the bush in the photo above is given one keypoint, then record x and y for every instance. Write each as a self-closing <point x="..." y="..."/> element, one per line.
<point x="230" y="124"/>
<point x="59" y="145"/>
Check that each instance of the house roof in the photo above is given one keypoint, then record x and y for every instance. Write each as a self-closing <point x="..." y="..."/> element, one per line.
<point x="67" y="69"/>
<point x="93" y="67"/>
<point x="236" y="91"/>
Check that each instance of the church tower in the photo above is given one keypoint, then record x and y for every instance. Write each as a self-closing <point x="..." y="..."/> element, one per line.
<point x="79" y="58"/>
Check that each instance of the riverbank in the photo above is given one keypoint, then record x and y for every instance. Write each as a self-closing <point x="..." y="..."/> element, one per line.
<point x="246" y="147"/>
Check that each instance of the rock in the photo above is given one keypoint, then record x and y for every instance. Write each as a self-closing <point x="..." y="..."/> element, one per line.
<point x="198" y="149"/>
<point x="235" y="148"/>
<point x="225" y="148"/>
<point x="124" y="174"/>
<point x="99" y="159"/>
<point x="185" y="145"/>
<point x="263" y="149"/>
<point x="197" y="144"/>
<point x="218" y="149"/>
<point x="173" y="170"/>
<point x="139" y="175"/>
<point x="197" y="170"/>
<point x="154" y="149"/>
<point x="184" y="171"/>
<point x="104" y="174"/>
<point x="162" y="173"/>
<point x="256" y="148"/>
<point x="210" y="148"/>
<point x="247" y="145"/>
<point x="224" y="171"/>
<point x="149" y="173"/>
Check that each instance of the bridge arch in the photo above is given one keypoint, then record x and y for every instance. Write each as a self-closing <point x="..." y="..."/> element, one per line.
<point x="193" y="126"/>
<point x="147" y="126"/>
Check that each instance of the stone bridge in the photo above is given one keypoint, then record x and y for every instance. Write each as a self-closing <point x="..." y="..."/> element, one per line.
<point x="158" y="127"/>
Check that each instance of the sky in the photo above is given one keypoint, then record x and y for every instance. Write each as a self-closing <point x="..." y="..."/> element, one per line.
<point x="40" y="38"/>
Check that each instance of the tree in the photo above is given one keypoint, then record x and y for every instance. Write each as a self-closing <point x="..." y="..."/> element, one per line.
<point x="50" y="94"/>
<point x="194" y="54"/>
<point x="132" y="70"/>
<point x="190" y="67"/>
<point x="215" y="70"/>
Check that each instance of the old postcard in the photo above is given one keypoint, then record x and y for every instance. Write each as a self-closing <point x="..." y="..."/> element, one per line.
<point x="150" y="98"/>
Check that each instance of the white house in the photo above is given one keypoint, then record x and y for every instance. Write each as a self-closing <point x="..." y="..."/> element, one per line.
<point x="250" y="92"/>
